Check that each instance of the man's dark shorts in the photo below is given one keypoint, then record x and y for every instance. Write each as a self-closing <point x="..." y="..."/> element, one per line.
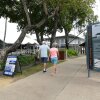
<point x="44" y="59"/>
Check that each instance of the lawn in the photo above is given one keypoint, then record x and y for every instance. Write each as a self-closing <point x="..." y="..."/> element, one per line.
<point x="27" y="71"/>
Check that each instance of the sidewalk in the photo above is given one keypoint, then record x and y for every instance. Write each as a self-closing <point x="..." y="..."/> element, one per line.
<point x="70" y="83"/>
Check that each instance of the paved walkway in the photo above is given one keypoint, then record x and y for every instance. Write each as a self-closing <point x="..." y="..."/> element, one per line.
<point x="70" y="83"/>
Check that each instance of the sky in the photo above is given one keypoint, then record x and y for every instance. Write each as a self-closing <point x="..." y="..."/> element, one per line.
<point x="97" y="8"/>
<point x="12" y="34"/>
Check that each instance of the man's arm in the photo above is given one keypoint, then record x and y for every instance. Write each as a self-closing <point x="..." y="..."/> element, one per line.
<point x="57" y="53"/>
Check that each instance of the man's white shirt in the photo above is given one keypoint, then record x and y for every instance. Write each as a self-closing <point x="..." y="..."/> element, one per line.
<point x="44" y="50"/>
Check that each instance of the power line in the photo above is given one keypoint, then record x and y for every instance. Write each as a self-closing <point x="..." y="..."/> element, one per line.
<point x="76" y="36"/>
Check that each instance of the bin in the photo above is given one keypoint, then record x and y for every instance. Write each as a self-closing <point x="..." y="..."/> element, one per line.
<point x="62" y="54"/>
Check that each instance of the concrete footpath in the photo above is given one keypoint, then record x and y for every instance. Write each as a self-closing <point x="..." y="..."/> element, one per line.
<point x="70" y="83"/>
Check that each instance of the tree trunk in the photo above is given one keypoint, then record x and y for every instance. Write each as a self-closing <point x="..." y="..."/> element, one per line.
<point x="29" y="27"/>
<point x="41" y="37"/>
<point x="38" y="39"/>
<point x="13" y="48"/>
<point x="53" y="35"/>
<point x="52" y="39"/>
<point x="66" y="38"/>
<point x="26" y="11"/>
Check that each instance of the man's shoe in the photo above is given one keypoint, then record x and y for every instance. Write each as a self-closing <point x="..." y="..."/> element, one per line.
<point x="44" y="71"/>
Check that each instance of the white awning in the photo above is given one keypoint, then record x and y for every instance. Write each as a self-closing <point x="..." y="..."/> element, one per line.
<point x="29" y="39"/>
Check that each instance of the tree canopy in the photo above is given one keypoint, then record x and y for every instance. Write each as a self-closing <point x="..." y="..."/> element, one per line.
<point x="45" y="16"/>
<point x="69" y="11"/>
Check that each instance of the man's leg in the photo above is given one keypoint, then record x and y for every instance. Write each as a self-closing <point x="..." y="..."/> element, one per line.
<point x="45" y="64"/>
<point x="44" y="67"/>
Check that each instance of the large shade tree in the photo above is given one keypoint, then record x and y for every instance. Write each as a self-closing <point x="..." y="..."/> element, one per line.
<point x="43" y="16"/>
<point x="29" y="14"/>
<point x="77" y="13"/>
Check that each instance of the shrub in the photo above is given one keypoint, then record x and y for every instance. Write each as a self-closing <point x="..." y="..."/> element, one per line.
<point x="1" y="65"/>
<point x="26" y="59"/>
<point x="71" y="52"/>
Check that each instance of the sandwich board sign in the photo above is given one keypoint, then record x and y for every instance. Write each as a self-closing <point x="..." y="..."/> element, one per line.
<point x="10" y="65"/>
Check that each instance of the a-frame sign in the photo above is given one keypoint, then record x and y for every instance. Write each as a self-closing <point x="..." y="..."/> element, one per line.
<point x="11" y="64"/>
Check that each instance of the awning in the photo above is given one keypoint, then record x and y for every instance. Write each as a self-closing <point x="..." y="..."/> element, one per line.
<point x="83" y="44"/>
<point x="29" y="40"/>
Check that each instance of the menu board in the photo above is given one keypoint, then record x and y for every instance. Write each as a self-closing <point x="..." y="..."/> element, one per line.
<point x="96" y="44"/>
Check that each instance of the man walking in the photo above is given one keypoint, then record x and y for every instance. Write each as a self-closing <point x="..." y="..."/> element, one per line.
<point x="44" y="49"/>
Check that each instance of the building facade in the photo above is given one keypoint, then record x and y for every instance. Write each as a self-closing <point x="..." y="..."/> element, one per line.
<point x="73" y="42"/>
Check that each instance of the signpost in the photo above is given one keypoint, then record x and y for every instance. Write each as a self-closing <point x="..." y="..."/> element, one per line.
<point x="10" y="66"/>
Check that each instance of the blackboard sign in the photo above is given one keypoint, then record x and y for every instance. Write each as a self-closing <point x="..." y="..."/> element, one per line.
<point x="10" y="65"/>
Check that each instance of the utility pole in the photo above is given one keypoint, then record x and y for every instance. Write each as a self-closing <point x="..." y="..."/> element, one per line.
<point x="5" y="33"/>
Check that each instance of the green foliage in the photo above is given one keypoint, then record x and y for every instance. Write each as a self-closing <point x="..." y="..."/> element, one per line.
<point x="71" y="52"/>
<point x="26" y="59"/>
<point x="69" y="12"/>
<point x="1" y="65"/>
